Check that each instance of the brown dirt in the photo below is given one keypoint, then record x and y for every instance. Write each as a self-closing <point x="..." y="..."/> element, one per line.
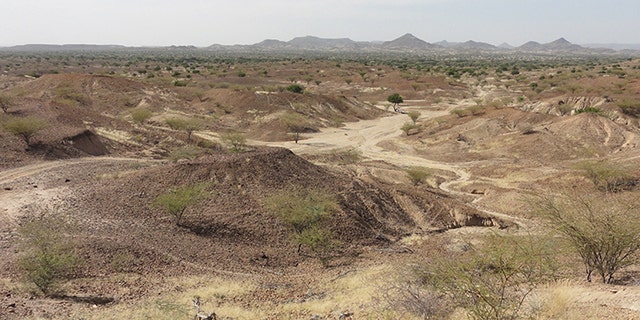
<point x="482" y="166"/>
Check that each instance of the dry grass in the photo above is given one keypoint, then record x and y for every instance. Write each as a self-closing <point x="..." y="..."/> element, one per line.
<point x="215" y="294"/>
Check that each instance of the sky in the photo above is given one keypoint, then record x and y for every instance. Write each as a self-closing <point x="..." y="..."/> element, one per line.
<point x="202" y="23"/>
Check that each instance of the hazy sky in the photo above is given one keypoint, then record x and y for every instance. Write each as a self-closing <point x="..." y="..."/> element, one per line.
<point x="202" y="22"/>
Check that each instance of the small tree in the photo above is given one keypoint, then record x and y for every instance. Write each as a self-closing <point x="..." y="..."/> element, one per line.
<point x="418" y="175"/>
<point x="5" y="102"/>
<point x="189" y="125"/>
<point x="48" y="256"/>
<point x="395" y="99"/>
<point x="414" y="115"/>
<point x="25" y="127"/>
<point x="296" y="123"/>
<point x="141" y="115"/>
<point x="492" y="280"/>
<point x="603" y="229"/>
<point x="235" y="140"/>
<point x="176" y="201"/>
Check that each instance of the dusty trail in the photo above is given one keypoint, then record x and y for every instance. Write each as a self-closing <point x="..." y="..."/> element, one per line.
<point x="367" y="135"/>
<point x="32" y="185"/>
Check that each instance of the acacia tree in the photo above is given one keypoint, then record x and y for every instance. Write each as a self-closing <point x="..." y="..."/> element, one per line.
<point x="602" y="229"/>
<point x="188" y="125"/>
<point x="48" y="256"/>
<point x="418" y="175"/>
<point x="395" y="99"/>
<point x="493" y="279"/>
<point x="175" y="202"/>
<point x="414" y="115"/>
<point x="236" y="141"/>
<point x="296" y="123"/>
<point x="25" y="127"/>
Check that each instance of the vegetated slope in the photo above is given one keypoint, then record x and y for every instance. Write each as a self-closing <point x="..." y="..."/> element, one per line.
<point x="74" y="106"/>
<point x="230" y="230"/>
<point x="258" y="112"/>
<point x="512" y="133"/>
<point x="91" y="105"/>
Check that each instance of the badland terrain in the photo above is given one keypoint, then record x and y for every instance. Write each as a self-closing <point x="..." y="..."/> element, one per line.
<point x="170" y="183"/>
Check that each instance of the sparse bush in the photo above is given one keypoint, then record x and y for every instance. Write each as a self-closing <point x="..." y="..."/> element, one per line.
<point x="186" y="152"/>
<point x="141" y="115"/>
<point x="607" y="176"/>
<point x="236" y="141"/>
<point x="476" y="110"/>
<point x="347" y="156"/>
<point x="414" y="115"/>
<point x="564" y="109"/>
<point x="179" y="83"/>
<point x="295" y="88"/>
<point x="493" y="279"/>
<point x="407" y="127"/>
<point x="602" y="229"/>
<point x="296" y="123"/>
<point x="418" y="175"/>
<point x="320" y="241"/>
<point x="631" y="108"/>
<point x="25" y="128"/>
<point x="5" y="102"/>
<point x="595" y="110"/>
<point x="460" y="112"/>
<point x="176" y="201"/>
<point x="189" y="125"/>
<point x="65" y="95"/>
<point x="304" y="211"/>
<point x="48" y="256"/>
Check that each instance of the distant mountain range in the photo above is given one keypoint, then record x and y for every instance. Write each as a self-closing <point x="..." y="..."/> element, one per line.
<point x="407" y="43"/>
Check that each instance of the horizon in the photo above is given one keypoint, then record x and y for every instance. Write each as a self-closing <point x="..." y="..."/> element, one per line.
<point x="160" y="23"/>
<point x="369" y="41"/>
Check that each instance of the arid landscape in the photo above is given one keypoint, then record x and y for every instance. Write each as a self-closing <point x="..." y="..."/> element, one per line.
<point x="294" y="186"/>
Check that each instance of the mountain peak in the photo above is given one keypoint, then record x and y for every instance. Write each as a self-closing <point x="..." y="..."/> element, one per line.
<point x="407" y="41"/>
<point x="562" y="41"/>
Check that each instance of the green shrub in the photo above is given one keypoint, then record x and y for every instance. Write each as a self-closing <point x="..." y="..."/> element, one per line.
<point x="601" y="228"/>
<point x="631" y="108"/>
<point x="301" y="209"/>
<point x="189" y="125"/>
<point x="175" y="202"/>
<point x="493" y="279"/>
<point x="304" y="211"/>
<point x="25" y="128"/>
<point x="320" y="241"/>
<point x="590" y="110"/>
<point x="236" y="141"/>
<point x="414" y="115"/>
<point x="141" y="115"/>
<point x="186" y="152"/>
<point x="607" y="176"/>
<point x="407" y="127"/>
<point x="68" y="96"/>
<point x="48" y="256"/>
<point x="460" y="112"/>
<point x="295" y="88"/>
<point x="296" y="123"/>
<point x="418" y="175"/>
<point x="5" y="102"/>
